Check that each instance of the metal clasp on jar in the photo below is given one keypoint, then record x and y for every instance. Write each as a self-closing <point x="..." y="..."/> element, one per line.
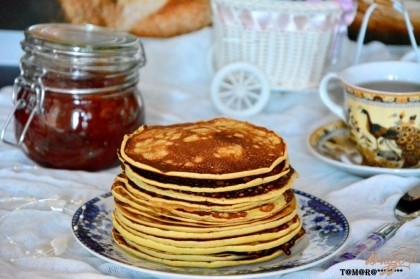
<point x="35" y="106"/>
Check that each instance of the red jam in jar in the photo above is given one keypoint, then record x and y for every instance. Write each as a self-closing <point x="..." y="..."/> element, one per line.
<point x="77" y="95"/>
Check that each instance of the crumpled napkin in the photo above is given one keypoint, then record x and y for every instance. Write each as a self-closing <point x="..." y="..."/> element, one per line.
<point x="369" y="204"/>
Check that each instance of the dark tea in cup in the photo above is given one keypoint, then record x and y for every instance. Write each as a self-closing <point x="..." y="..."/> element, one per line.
<point x="391" y="86"/>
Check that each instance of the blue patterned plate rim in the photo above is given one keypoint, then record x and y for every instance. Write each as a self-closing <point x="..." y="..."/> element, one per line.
<point x="327" y="231"/>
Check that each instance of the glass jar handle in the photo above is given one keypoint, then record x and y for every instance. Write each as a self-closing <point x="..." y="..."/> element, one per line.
<point x="20" y="104"/>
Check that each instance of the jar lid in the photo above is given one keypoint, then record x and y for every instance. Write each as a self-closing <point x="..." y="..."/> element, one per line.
<point x="81" y="39"/>
<point x="81" y="52"/>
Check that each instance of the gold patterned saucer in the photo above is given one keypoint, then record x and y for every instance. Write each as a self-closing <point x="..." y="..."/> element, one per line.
<point x="331" y="143"/>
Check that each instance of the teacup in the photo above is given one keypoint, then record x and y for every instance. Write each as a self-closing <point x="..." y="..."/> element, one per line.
<point x="382" y="110"/>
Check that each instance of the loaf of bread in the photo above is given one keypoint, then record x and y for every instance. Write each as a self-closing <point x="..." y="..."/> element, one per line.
<point x="145" y="18"/>
<point x="386" y="24"/>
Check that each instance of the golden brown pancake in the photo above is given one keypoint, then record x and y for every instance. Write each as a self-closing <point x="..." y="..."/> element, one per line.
<point x="256" y="193"/>
<point x="207" y="194"/>
<point x="248" y="243"/>
<point x="203" y="213"/>
<point x="185" y="231"/>
<point x="186" y="260"/>
<point x="217" y="149"/>
<point x="202" y="185"/>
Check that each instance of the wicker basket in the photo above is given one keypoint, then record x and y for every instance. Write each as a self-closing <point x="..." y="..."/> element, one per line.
<point x="288" y="40"/>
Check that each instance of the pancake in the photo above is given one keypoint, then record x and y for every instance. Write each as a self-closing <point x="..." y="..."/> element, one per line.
<point x="247" y="243"/>
<point x="216" y="149"/>
<point x="205" y="213"/>
<point x="163" y="258"/>
<point x="183" y="231"/>
<point x="256" y="193"/>
<point x="206" y="194"/>
<point x="140" y="176"/>
<point x="122" y="193"/>
<point x="124" y="226"/>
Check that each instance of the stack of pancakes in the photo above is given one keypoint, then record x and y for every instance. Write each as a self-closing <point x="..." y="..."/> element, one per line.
<point x="206" y="194"/>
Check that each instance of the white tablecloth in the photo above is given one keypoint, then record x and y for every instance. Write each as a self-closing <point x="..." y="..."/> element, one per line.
<point x="175" y="85"/>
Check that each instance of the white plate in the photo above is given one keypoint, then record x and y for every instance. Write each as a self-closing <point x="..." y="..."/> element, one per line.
<point x="332" y="144"/>
<point x="326" y="231"/>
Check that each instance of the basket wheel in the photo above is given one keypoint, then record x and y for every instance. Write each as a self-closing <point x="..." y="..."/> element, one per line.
<point x="240" y="89"/>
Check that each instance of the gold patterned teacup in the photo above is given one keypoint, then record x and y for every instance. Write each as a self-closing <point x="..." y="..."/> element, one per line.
<point x="382" y="110"/>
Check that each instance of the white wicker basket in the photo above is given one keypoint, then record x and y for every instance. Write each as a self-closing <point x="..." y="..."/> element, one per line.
<point x="288" y="40"/>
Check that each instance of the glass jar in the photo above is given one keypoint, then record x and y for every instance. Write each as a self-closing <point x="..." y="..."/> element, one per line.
<point x="77" y="95"/>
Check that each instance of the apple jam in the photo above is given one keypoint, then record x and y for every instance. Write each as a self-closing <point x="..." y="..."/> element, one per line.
<point x="77" y="95"/>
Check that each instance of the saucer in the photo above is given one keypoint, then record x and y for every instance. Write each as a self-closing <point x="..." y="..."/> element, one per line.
<point x="331" y="143"/>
